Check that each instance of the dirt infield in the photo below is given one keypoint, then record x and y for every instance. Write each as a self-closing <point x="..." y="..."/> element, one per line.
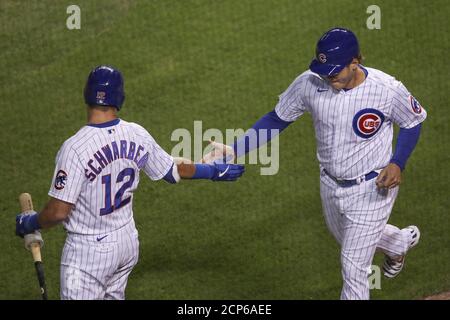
<point x="440" y="296"/>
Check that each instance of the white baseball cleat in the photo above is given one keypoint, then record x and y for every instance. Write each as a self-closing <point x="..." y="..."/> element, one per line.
<point x="392" y="267"/>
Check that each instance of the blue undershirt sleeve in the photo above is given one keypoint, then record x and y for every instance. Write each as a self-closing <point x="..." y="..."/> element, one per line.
<point x="266" y="128"/>
<point x="203" y="171"/>
<point x="406" y="142"/>
<point x="169" y="176"/>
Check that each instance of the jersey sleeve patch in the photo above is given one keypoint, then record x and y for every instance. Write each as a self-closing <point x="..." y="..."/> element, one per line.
<point x="60" y="180"/>
<point x="415" y="105"/>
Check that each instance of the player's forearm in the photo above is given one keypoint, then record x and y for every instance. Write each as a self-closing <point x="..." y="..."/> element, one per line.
<point x="186" y="170"/>
<point x="406" y="142"/>
<point x="196" y="171"/>
<point x="55" y="212"/>
<point x="264" y="130"/>
<point x="215" y="172"/>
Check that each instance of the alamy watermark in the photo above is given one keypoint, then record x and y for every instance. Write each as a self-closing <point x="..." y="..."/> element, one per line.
<point x="73" y="21"/>
<point x="190" y="145"/>
<point x="73" y="279"/>
<point x="374" y="20"/>
<point x="374" y="277"/>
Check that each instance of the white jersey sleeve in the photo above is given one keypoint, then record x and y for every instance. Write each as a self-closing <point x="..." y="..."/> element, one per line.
<point x="406" y="111"/>
<point x="290" y="105"/>
<point x="156" y="162"/>
<point x="68" y="177"/>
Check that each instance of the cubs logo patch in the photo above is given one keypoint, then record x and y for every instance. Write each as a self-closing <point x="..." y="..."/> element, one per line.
<point x="60" y="180"/>
<point x="416" y="107"/>
<point x="367" y="122"/>
<point x="322" y="57"/>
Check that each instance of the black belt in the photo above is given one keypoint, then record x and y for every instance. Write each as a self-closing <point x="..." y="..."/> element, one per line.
<point x="350" y="183"/>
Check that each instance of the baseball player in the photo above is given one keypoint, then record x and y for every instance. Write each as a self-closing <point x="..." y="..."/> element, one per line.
<point x="96" y="174"/>
<point x="353" y="109"/>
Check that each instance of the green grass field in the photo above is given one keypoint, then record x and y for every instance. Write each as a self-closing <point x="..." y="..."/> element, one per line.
<point x="225" y="63"/>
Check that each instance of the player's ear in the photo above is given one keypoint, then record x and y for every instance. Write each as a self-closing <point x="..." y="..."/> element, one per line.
<point x="354" y="64"/>
<point x="360" y="58"/>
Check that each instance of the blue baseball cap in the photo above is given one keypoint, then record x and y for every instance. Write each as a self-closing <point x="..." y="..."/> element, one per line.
<point x="334" y="51"/>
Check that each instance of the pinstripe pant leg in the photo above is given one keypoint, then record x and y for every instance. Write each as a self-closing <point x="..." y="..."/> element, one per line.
<point x="357" y="251"/>
<point x="77" y="283"/>
<point x="367" y="210"/>
<point x="333" y="217"/>
<point x="394" y="241"/>
<point x="129" y="247"/>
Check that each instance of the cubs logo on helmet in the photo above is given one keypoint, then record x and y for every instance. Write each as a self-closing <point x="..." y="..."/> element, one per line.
<point x="322" y="57"/>
<point x="367" y="122"/>
<point x="416" y="107"/>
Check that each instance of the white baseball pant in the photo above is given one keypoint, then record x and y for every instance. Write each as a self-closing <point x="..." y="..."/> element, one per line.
<point x="357" y="217"/>
<point x="97" y="267"/>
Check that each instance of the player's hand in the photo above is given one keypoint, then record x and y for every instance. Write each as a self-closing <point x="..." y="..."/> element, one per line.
<point x="220" y="153"/>
<point x="227" y="172"/>
<point x="390" y="177"/>
<point x="26" y="223"/>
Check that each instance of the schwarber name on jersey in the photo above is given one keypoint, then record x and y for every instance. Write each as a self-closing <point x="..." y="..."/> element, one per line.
<point x="97" y="170"/>
<point x="354" y="128"/>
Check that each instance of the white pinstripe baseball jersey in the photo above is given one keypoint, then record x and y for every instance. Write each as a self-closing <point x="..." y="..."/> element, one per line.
<point x="97" y="170"/>
<point x="354" y="129"/>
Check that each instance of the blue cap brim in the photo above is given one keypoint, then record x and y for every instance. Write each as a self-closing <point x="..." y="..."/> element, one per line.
<point x="325" y="69"/>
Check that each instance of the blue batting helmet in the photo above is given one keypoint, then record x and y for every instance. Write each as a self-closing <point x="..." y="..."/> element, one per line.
<point x="104" y="87"/>
<point x="334" y="51"/>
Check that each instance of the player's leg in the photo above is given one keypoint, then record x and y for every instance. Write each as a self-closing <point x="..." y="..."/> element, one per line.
<point x="76" y="283"/>
<point x="85" y="268"/>
<point x="115" y="288"/>
<point x="358" y="248"/>
<point x="333" y="217"/>
<point x="129" y="248"/>
<point x="395" y="242"/>
<point x="367" y="210"/>
<point x="79" y="285"/>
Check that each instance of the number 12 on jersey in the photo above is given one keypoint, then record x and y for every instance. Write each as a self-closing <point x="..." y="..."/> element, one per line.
<point x="118" y="201"/>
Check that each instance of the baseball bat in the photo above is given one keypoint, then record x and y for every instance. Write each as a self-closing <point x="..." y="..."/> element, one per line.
<point x="26" y="205"/>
